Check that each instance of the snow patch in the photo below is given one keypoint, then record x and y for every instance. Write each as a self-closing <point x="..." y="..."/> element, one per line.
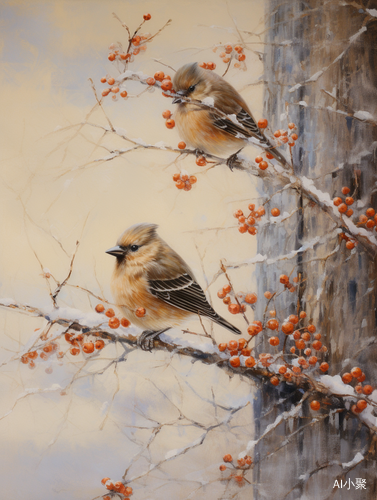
<point x="354" y="461"/>
<point x="364" y="115"/>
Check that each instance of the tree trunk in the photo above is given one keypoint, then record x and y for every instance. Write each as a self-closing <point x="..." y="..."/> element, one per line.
<point x="330" y="48"/>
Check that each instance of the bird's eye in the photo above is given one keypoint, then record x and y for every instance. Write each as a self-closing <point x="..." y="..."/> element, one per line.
<point x="134" y="248"/>
<point x="191" y="88"/>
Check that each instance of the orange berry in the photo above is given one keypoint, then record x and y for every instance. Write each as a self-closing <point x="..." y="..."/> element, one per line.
<point x="74" y="351"/>
<point x="268" y="295"/>
<point x="370" y="212"/>
<point x="105" y="92"/>
<point x="300" y="344"/>
<point x="292" y="350"/>
<point x="114" y="323"/>
<point x="151" y="81"/>
<point x="211" y="66"/>
<point x="282" y="370"/>
<point x="201" y="161"/>
<point x="293" y="319"/>
<point x="88" y="347"/>
<point x="235" y="361"/>
<point x="342" y="208"/>
<point x="253" y="329"/>
<point x="350" y="245"/>
<point x="370" y="223"/>
<point x="238" y="48"/>
<point x="294" y="137"/>
<point x="99" y="308"/>
<point x="302" y="314"/>
<point x="234" y="308"/>
<point x="222" y="347"/>
<point x="261" y="211"/>
<point x="222" y="467"/>
<point x="181" y="145"/>
<point x="263" y="122"/>
<point x="363" y="219"/>
<point x="24" y="360"/>
<point x="269" y="156"/>
<point x="232" y="345"/>
<point x="347" y="378"/>
<point x="110" y="313"/>
<point x="252" y="230"/>
<point x="296" y="369"/>
<point x="249" y="362"/>
<point x="176" y="177"/>
<point x="359" y="388"/>
<point x="274" y="341"/>
<point x="170" y="123"/>
<point x="228" y="49"/>
<point x="104" y="480"/>
<point x="246" y="352"/>
<point x="274" y="380"/>
<point x="284" y="139"/>
<point x="296" y="335"/>
<point x="99" y="344"/>
<point x="227" y="288"/>
<point x="287" y="327"/>
<point x="284" y="279"/>
<point x="345" y="190"/>
<point x="146" y="17"/>
<point x="312" y="360"/>
<point x="251" y="298"/>
<point x="305" y="336"/>
<point x="111" y="57"/>
<point x="33" y="354"/>
<point x="355" y="409"/>
<point x="258" y="159"/>
<point x="337" y="201"/>
<point x="367" y="389"/>
<point x="315" y="405"/>
<point x="311" y="328"/>
<point x="192" y="179"/>
<point x="349" y="212"/>
<point x="324" y="367"/>
<point x="263" y="165"/>
<point x="356" y="372"/>
<point x="291" y="126"/>
<point x="125" y="323"/>
<point x="140" y="312"/>
<point x="275" y="212"/>
<point x="166" y="85"/>
<point x="242" y="57"/>
<point x="272" y="324"/>
<point x="349" y="200"/>
<point x="317" y="345"/>
<point x="115" y="90"/>
<point x="159" y="76"/>
<point x="128" y="491"/>
<point x="361" y="404"/>
<point x="277" y="133"/>
<point x="166" y="114"/>
<point x="180" y="184"/>
<point x="361" y="378"/>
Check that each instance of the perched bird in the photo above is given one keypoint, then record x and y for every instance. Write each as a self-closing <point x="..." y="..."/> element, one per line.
<point x="225" y="124"/>
<point x="151" y="277"/>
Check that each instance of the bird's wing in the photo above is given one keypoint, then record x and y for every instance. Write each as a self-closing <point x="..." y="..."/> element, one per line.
<point x="246" y="126"/>
<point x="183" y="292"/>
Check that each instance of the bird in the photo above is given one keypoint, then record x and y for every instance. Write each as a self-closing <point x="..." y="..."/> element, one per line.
<point x="150" y="277"/>
<point x="224" y="124"/>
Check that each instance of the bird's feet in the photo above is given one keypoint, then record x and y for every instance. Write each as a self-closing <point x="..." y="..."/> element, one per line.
<point x="146" y="340"/>
<point x="233" y="161"/>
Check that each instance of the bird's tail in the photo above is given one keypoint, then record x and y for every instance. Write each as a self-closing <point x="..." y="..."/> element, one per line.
<point x="223" y="322"/>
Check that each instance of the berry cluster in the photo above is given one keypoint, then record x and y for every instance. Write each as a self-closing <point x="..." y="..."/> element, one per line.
<point x="169" y="122"/>
<point x="183" y="181"/>
<point x="231" y="52"/>
<point x="45" y="353"/>
<point x="247" y="223"/>
<point x="114" y="322"/>
<point x="369" y="220"/>
<point x="283" y="136"/>
<point x="284" y="280"/>
<point x="118" y="487"/>
<point x="343" y="205"/>
<point x="240" y="299"/>
<point x="237" y="469"/>
<point x="356" y="374"/>
<point x="209" y="65"/>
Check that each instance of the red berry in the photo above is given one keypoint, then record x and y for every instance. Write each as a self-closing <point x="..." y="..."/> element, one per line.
<point x="263" y="122"/>
<point x="315" y="405"/>
<point x="146" y="17"/>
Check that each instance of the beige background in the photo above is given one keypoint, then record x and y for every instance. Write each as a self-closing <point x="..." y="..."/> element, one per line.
<point x="52" y="195"/>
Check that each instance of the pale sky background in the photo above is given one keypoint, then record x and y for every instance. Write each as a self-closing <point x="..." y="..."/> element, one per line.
<point x="52" y="446"/>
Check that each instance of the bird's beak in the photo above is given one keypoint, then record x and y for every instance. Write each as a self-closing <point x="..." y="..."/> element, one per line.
<point x="116" y="251"/>
<point x="180" y="94"/>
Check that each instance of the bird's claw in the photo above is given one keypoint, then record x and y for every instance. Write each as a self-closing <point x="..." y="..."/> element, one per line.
<point x="146" y="340"/>
<point x="233" y="160"/>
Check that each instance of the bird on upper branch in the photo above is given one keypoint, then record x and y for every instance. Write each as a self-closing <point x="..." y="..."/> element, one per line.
<point x="154" y="286"/>
<point x="225" y="124"/>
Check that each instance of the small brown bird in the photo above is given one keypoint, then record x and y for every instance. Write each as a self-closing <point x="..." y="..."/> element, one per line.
<point x="153" y="285"/>
<point x="225" y="124"/>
